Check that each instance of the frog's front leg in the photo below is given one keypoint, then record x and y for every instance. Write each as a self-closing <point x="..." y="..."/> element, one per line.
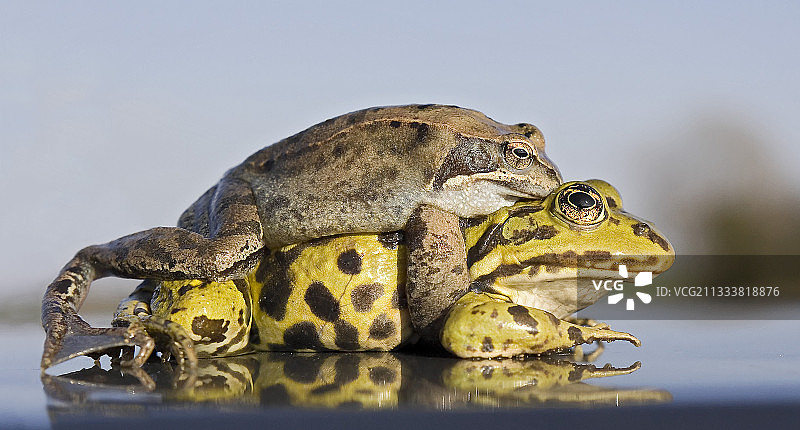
<point x="232" y="247"/>
<point x="488" y="325"/>
<point x="437" y="273"/>
<point x="167" y="336"/>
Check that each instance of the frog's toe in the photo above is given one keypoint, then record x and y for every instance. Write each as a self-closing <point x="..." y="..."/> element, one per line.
<point x="591" y="334"/>
<point x="169" y="338"/>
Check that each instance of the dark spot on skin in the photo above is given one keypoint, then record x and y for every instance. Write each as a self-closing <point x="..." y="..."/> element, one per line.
<point x="346" y="336"/>
<point x="363" y="296"/>
<point x="485" y="244"/>
<point x="493" y="314"/>
<point x="553" y="320"/>
<point x="611" y="202"/>
<point x="213" y="329"/>
<point x="590" y="257"/>
<point x="380" y="375"/>
<point x="321" y="302"/>
<point x="302" y="335"/>
<point x="241" y="317"/>
<point x="391" y="240"/>
<point x="62" y="286"/>
<point x="346" y="369"/>
<point x="173" y="311"/>
<point x="613" y="220"/>
<point x="184" y="289"/>
<point x="642" y="229"/>
<point x="381" y="328"/>
<point x="277" y="286"/>
<point x="422" y="131"/>
<point x="575" y="335"/>
<point x="399" y="299"/>
<point x="303" y="368"/>
<point x="523" y="318"/>
<point x="542" y="232"/>
<point x="526" y="129"/>
<point x="267" y="165"/>
<point x="487" y="371"/>
<point x="394" y="124"/>
<point x="338" y="150"/>
<point x="349" y="262"/>
<point x="486" y="345"/>
<point x="658" y="240"/>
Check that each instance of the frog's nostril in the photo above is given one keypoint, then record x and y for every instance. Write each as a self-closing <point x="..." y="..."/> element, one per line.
<point x="582" y="200"/>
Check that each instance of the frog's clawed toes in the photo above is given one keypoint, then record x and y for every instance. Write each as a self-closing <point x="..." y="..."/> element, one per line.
<point x="168" y="337"/>
<point x="608" y="335"/>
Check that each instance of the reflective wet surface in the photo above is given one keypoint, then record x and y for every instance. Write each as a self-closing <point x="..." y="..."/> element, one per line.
<point x="683" y="369"/>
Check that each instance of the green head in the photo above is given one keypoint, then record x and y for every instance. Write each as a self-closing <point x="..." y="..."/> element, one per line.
<point x="535" y="251"/>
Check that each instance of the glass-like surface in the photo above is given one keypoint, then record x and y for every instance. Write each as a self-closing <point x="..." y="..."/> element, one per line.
<point x="680" y="367"/>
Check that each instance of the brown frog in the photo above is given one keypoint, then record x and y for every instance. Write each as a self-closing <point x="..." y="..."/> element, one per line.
<point x="415" y="168"/>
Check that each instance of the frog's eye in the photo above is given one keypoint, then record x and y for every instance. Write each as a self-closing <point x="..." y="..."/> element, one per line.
<point x="580" y="204"/>
<point x="518" y="154"/>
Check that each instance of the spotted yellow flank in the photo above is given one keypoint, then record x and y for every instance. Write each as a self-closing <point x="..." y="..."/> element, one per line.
<point x="340" y="293"/>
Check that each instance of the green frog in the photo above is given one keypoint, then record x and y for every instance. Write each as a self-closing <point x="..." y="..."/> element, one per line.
<point x="348" y="292"/>
<point x="416" y="168"/>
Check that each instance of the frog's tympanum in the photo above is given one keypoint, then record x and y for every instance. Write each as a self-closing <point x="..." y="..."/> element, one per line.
<point x="412" y="168"/>
<point x="348" y="292"/>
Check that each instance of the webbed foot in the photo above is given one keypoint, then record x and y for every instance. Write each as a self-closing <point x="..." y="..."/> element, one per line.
<point x="70" y="336"/>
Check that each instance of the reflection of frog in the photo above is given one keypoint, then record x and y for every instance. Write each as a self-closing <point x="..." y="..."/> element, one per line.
<point x="416" y="168"/>
<point x="346" y="292"/>
<point x="377" y="380"/>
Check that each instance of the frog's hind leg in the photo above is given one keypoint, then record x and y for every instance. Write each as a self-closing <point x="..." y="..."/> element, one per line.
<point x="487" y="325"/>
<point x="228" y="246"/>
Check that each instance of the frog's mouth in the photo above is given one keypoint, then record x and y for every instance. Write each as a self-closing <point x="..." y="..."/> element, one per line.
<point x="565" y="290"/>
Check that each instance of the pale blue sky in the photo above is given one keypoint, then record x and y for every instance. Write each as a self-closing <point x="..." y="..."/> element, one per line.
<point x="115" y="116"/>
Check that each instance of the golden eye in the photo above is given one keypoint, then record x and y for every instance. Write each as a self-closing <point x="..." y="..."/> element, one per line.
<point x="518" y="155"/>
<point x="581" y="204"/>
